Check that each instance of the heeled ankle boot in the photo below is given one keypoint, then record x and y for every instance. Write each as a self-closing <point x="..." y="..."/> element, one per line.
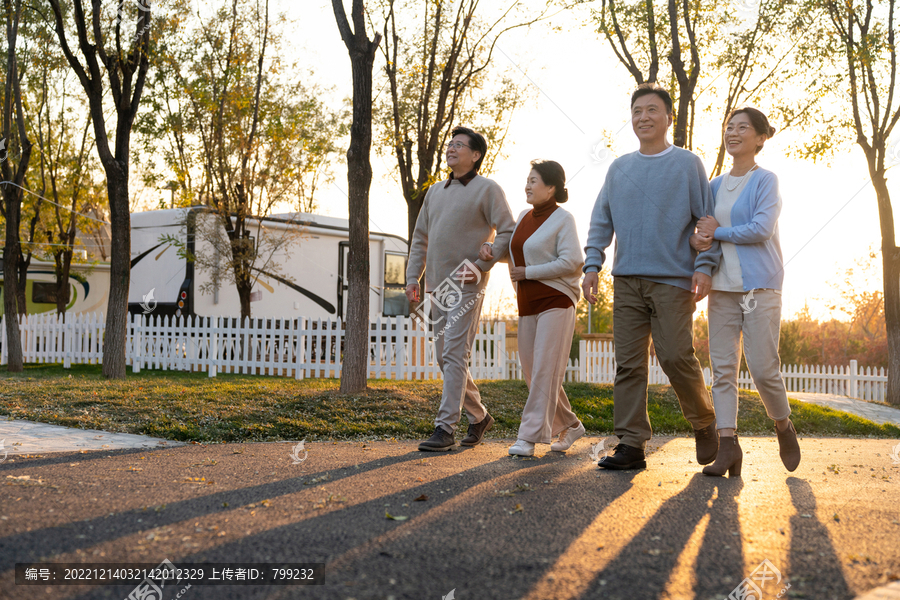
<point x="729" y="458"/>
<point x="788" y="447"/>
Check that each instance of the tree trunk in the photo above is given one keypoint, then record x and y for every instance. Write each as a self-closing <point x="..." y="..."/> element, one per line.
<point x="11" y="280"/>
<point x="63" y="268"/>
<point x="355" y="364"/>
<point x="22" y="285"/>
<point x="114" y="340"/>
<point x="890" y="255"/>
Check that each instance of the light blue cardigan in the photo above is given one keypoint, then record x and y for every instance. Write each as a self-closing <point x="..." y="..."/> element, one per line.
<point x="754" y="230"/>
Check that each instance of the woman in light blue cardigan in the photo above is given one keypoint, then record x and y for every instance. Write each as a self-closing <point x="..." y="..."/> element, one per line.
<point x="745" y="301"/>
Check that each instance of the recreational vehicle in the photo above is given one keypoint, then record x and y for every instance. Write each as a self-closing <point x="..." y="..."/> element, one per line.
<point x="300" y="272"/>
<point x="88" y="288"/>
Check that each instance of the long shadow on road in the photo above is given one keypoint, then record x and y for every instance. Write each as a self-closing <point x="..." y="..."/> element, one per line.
<point x="491" y="534"/>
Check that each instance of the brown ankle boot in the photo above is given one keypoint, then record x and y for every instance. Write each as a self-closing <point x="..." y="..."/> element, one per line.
<point x="788" y="447"/>
<point x="729" y="458"/>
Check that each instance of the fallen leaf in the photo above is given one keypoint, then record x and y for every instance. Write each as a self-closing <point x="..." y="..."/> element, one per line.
<point x="388" y="515"/>
<point x="421" y="498"/>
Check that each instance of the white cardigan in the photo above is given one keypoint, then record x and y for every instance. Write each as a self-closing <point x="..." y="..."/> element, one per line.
<point x="553" y="254"/>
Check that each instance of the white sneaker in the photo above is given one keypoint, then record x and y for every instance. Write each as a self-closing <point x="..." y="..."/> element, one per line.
<point x="567" y="438"/>
<point x="522" y="448"/>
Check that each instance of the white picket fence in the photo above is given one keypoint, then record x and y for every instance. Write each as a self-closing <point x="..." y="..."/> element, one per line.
<point x="398" y="349"/>
<point x="598" y="365"/>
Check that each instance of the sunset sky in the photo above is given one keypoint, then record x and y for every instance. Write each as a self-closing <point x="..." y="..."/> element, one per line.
<point x="829" y="218"/>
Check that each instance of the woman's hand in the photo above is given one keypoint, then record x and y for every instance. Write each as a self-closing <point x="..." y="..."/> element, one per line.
<point x="707" y="226"/>
<point x="487" y="252"/>
<point x="517" y="273"/>
<point x="701" y="243"/>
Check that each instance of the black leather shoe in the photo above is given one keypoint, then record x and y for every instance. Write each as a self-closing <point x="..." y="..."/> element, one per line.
<point x="625" y="457"/>
<point x="707" y="443"/>
<point x="476" y="432"/>
<point x="439" y="441"/>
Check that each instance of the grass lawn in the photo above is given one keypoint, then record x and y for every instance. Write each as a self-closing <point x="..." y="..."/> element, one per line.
<point x="236" y="408"/>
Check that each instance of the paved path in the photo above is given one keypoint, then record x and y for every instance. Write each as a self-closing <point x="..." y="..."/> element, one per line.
<point x="476" y="521"/>
<point x="879" y="413"/>
<point x="28" y="437"/>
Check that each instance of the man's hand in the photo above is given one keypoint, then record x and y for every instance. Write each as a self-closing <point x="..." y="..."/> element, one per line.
<point x="486" y="253"/>
<point x="590" y="286"/>
<point x="466" y="274"/>
<point x="701" y="243"/>
<point x="412" y="292"/>
<point x="707" y="226"/>
<point x="701" y="283"/>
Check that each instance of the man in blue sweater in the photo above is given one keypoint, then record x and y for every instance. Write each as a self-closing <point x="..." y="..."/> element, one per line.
<point x="651" y="200"/>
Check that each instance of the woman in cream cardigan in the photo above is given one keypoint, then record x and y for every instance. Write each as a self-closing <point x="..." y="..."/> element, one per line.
<point x="545" y="266"/>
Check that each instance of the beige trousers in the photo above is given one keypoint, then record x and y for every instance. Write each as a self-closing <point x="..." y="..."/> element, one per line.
<point x="454" y="332"/>
<point x="733" y="315"/>
<point x="544" y="343"/>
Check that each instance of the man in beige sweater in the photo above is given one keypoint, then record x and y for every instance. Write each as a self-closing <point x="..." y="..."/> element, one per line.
<point x="458" y="215"/>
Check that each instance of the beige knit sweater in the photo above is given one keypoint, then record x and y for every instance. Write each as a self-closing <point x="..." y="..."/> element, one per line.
<point x="452" y="225"/>
<point x="553" y="254"/>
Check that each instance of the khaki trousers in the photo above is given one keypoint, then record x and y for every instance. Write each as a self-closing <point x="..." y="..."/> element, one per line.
<point x="454" y="332"/>
<point x="642" y="308"/>
<point x="544" y="341"/>
<point x="758" y="318"/>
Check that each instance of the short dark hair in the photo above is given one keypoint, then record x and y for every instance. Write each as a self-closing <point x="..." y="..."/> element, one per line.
<point x="552" y="173"/>
<point x="476" y="142"/>
<point x="653" y="88"/>
<point x="757" y="118"/>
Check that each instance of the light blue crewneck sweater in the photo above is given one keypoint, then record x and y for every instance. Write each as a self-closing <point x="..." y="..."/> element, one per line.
<point x="652" y="205"/>
<point x="754" y="230"/>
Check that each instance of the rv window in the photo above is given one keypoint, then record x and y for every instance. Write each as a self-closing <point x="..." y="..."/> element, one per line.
<point x="394" y="269"/>
<point x="43" y="292"/>
<point x="395" y="303"/>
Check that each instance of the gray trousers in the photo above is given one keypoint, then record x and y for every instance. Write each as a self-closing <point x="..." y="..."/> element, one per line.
<point x="544" y="342"/>
<point x="758" y="321"/>
<point x="454" y="332"/>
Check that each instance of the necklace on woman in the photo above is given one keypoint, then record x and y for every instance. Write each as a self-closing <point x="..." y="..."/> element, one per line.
<point x="728" y="176"/>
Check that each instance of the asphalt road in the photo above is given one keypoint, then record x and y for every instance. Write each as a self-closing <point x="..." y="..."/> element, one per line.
<point x="492" y="526"/>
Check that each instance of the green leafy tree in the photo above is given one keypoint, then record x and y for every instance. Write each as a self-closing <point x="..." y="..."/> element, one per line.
<point x="13" y="134"/>
<point x="863" y="47"/>
<point x="112" y="70"/>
